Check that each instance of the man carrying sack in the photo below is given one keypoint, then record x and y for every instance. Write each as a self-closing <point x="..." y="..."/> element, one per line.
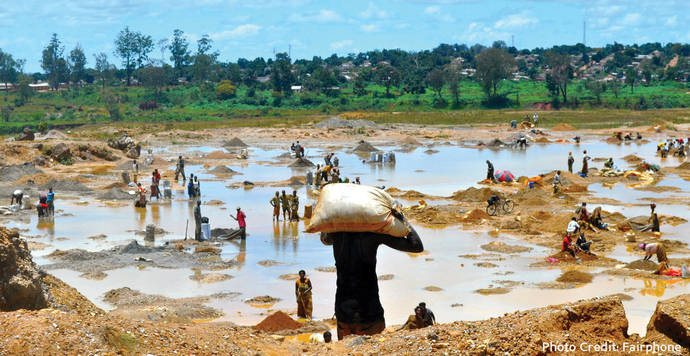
<point x="355" y="220"/>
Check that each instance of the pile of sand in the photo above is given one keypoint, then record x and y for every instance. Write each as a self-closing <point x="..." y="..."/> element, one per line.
<point x="502" y="247"/>
<point x="298" y="180"/>
<point x="473" y="194"/>
<point x="542" y="140"/>
<point x="276" y="322"/>
<point x="235" y="142"/>
<point x="222" y="170"/>
<point x="364" y="146"/>
<point x="613" y="140"/>
<point x="533" y="197"/>
<point x="575" y="276"/>
<point x="563" y="127"/>
<point x="219" y="155"/>
<point x="575" y="188"/>
<point x="475" y="216"/>
<point x="685" y="165"/>
<point x="564" y="256"/>
<point x="412" y="195"/>
<point x="410" y="141"/>
<point x="642" y="265"/>
<point x="393" y="191"/>
<point x="302" y="162"/>
<point x="12" y="173"/>
<point x="116" y="194"/>
<point x="541" y="216"/>
<point x="632" y="159"/>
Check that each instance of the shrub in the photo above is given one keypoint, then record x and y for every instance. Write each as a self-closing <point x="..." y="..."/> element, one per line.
<point x="225" y="90"/>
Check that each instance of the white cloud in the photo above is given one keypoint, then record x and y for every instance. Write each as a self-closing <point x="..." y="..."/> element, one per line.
<point x="435" y="13"/>
<point x="322" y="16"/>
<point x="245" y="30"/>
<point x="369" y="28"/>
<point x="373" y="12"/>
<point x="480" y="33"/>
<point x="630" y="19"/>
<point x="341" y="44"/>
<point x="515" y="21"/>
<point x="672" y="21"/>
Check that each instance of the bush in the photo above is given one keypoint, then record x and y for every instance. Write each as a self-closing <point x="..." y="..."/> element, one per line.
<point x="43" y="127"/>
<point x="327" y="108"/>
<point x="251" y="92"/>
<point x="225" y="90"/>
<point x="148" y="105"/>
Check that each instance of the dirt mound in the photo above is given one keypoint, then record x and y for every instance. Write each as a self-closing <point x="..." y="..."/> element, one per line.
<point x="533" y="197"/>
<point x="575" y="276"/>
<point x="542" y="140"/>
<point x="66" y="185"/>
<point x="541" y="216"/>
<point x="14" y="172"/>
<point x="473" y="194"/>
<point x="364" y="146"/>
<point x="276" y="322"/>
<point x="564" y="256"/>
<point x="219" y="155"/>
<point x="632" y="159"/>
<point x="21" y="286"/>
<point x="222" y="170"/>
<point x="235" y="142"/>
<point x="410" y="141"/>
<point x="671" y="320"/>
<point x="302" y="162"/>
<point x="336" y="123"/>
<point x="298" y="180"/>
<point x="393" y="191"/>
<point x="502" y="247"/>
<point x="685" y="165"/>
<point x="563" y="127"/>
<point x="475" y="216"/>
<point x="412" y="195"/>
<point x="575" y="188"/>
<point x="115" y="194"/>
<point x="642" y="265"/>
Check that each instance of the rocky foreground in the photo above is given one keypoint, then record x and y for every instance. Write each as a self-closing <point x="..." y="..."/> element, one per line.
<point x="41" y="315"/>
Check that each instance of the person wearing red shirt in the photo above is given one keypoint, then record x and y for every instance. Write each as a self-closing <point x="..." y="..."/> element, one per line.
<point x="568" y="245"/>
<point x="242" y="223"/>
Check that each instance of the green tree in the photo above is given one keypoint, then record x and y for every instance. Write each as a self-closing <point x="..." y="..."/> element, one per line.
<point x="631" y="78"/>
<point x="359" y="86"/>
<point x="204" y="59"/>
<point x="6" y="112"/>
<point x="104" y="68"/>
<point x="9" y="69"/>
<point x="435" y="80"/>
<point x="493" y="66"/>
<point x="155" y="77"/>
<point x="25" y="91"/>
<point x="595" y="88"/>
<point x="225" y="90"/>
<point x="133" y="49"/>
<point x="53" y="63"/>
<point x="561" y="72"/>
<point x="179" y="52"/>
<point x="77" y="65"/>
<point x="453" y="79"/>
<point x="387" y="76"/>
<point x="281" y="74"/>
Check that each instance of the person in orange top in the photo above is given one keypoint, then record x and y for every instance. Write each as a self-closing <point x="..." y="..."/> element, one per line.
<point x="303" y="295"/>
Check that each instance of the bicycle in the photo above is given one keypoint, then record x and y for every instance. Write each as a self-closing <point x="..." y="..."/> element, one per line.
<point x="497" y="203"/>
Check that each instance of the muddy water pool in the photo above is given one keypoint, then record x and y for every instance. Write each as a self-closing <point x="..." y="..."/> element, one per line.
<point x="451" y="169"/>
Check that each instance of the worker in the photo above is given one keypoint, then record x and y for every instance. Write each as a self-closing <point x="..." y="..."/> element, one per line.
<point x="50" y="199"/>
<point x="619" y="135"/>
<point x="155" y="192"/>
<point x="17" y="196"/>
<point x="429" y="317"/>
<point x="197" y="187"/>
<point x="318" y="338"/>
<point x="567" y="245"/>
<point x="577" y="139"/>
<point x="285" y="203"/>
<point x="639" y="136"/>
<point x="179" y="169"/>
<point x="190" y="187"/>
<point x="655" y="248"/>
<point x="490" y="171"/>
<point x="240" y="218"/>
<point x="585" y="164"/>
<point x="358" y="309"/>
<point x="42" y="206"/>
<point x="303" y="296"/>
<point x="336" y="161"/>
<point x="298" y="150"/>
<point x="318" y="177"/>
<point x="609" y="163"/>
<point x="357" y="181"/>
<point x="294" y="206"/>
<point x="310" y="178"/>
<point x="596" y="220"/>
<point x="653" y="218"/>
<point x="582" y="213"/>
<point x="327" y="159"/>
<point x="415" y="321"/>
<point x="141" y="196"/>
<point x="275" y="203"/>
<point x="557" y="182"/>
<point x="573" y="226"/>
<point x="197" y="220"/>
<point x="582" y="243"/>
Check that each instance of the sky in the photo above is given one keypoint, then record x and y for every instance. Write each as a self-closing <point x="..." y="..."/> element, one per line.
<point x="255" y="28"/>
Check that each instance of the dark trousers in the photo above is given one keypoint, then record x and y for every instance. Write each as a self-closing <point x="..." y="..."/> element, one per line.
<point x="197" y="230"/>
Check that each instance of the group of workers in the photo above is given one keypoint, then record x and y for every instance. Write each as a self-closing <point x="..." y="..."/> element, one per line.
<point x="679" y="146"/>
<point x="45" y="208"/>
<point x="289" y="205"/>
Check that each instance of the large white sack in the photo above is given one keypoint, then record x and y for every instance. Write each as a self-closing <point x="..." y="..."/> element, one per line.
<point x="344" y="207"/>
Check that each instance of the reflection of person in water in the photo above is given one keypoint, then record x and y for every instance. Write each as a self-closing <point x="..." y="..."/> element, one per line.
<point x="242" y="251"/>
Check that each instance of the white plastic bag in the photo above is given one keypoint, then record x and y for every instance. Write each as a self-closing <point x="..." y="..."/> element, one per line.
<point x="344" y="207"/>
